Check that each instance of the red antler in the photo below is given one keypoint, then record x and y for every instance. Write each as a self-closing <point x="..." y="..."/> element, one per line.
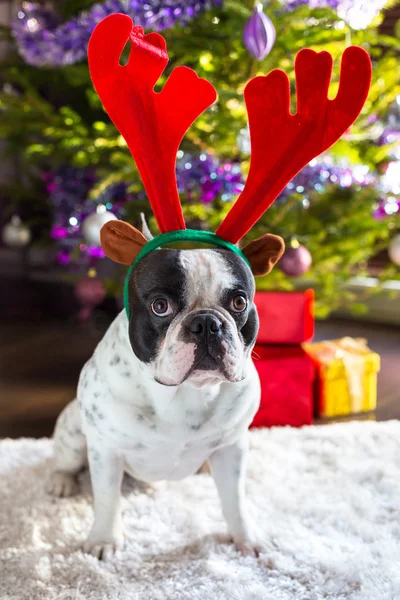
<point x="282" y="143"/>
<point x="153" y="125"/>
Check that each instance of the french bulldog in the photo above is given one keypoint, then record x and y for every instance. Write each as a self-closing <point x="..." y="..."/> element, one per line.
<point x="171" y="388"/>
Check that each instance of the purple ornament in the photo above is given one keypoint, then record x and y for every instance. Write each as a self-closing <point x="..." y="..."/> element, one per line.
<point x="259" y="33"/>
<point x="90" y="292"/>
<point x="295" y="261"/>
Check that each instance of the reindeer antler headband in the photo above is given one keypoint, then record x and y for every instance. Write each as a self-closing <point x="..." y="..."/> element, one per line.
<point x="153" y="125"/>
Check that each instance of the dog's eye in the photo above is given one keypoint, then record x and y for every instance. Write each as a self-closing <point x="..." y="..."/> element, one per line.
<point x="160" y="307"/>
<point x="239" y="303"/>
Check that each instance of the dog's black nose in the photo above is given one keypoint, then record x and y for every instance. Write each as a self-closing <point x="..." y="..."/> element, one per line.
<point x="204" y="324"/>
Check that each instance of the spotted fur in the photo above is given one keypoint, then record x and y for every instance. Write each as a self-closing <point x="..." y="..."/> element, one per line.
<point x="157" y="401"/>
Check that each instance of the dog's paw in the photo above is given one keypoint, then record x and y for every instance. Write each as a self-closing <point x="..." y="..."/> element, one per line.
<point x="248" y="545"/>
<point x="62" y="484"/>
<point x="103" y="547"/>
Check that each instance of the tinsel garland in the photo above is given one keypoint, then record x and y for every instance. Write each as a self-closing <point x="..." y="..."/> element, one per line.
<point x="200" y="178"/>
<point x="43" y="41"/>
<point x="292" y="4"/>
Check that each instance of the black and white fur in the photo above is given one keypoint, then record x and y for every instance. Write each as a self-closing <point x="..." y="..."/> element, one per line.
<point x="161" y="395"/>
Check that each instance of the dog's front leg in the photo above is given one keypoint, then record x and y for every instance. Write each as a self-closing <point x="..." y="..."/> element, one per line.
<point x="228" y="470"/>
<point x="106" y="472"/>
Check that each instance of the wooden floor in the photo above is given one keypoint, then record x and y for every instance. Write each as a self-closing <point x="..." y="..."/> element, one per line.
<point x="39" y="369"/>
<point x="40" y="364"/>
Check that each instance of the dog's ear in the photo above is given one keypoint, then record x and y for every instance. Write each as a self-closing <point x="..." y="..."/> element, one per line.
<point x="121" y="241"/>
<point x="264" y="253"/>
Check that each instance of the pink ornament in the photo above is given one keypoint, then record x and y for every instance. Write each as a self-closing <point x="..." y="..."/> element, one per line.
<point x="58" y="233"/>
<point x="90" y="292"/>
<point x="295" y="261"/>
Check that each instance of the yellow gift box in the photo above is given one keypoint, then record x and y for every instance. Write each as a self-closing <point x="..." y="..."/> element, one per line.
<point x="346" y="380"/>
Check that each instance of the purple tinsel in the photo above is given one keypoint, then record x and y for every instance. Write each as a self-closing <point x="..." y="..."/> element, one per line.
<point x="68" y="189"/>
<point x="292" y="4"/>
<point x="43" y="41"/>
<point x="200" y="178"/>
<point x="390" y="136"/>
<point x="386" y="207"/>
<point x="320" y="173"/>
<point x="205" y="178"/>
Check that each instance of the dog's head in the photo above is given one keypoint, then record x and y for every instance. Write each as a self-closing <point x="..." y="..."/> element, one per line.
<point x="192" y="315"/>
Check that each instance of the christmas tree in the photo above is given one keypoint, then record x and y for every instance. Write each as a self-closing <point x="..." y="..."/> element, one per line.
<point x="75" y="171"/>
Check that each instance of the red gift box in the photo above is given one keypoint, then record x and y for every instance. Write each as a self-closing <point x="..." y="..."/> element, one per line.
<point x="286" y="374"/>
<point x="285" y="317"/>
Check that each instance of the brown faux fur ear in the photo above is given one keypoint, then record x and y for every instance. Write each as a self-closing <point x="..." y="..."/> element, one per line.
<point x="121" y="241"/>
<point x="264" y="253"/>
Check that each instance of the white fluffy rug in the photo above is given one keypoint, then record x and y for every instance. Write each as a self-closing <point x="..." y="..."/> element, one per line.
<point x="326" y="500"/>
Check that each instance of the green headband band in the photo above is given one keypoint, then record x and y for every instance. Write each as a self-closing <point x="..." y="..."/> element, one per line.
<point x="171" y="237"/>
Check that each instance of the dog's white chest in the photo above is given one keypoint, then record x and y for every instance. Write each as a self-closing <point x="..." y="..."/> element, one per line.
<point x="173" y="437"/>
<point x="162" y="432"/>
<point x="166" y="460"/>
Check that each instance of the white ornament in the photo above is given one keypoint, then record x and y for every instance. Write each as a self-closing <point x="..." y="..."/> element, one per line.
<point x="243" y="141"/>
<point x="394" y="250"/>
<point x="93" y="223"/>
<point x="16" y="234"/>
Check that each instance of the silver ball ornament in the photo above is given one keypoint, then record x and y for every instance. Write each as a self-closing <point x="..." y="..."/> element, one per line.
<point x="15" y="234"/>
<point x="394" y="249"/>
<point x="93" y="223"/>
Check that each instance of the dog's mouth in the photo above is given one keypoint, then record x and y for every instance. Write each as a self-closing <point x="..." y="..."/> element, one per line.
<point x="206" y="370"/>
<point x="206" y="362"/>
<point x="194" y="357"/>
